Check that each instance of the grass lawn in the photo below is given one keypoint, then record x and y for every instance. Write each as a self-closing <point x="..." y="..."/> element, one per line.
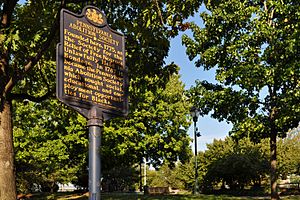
<point x="127" y="196"/>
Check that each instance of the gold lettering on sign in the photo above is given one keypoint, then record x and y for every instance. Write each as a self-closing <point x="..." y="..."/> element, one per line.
<point x="93" y="63"/>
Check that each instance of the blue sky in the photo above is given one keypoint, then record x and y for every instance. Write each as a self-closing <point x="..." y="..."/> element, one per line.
<point x="209" y="128"/>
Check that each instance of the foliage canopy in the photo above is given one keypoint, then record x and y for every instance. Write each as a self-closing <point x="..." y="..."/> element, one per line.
<point x="254" y="47"/>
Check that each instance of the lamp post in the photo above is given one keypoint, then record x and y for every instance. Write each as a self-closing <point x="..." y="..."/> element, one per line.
<point x="195" y="114"/>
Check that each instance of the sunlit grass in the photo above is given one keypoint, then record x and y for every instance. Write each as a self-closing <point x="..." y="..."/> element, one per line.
<point x="135" y="196"/>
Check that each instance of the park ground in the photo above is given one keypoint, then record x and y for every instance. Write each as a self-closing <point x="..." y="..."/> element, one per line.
<point x="134" y="196"/>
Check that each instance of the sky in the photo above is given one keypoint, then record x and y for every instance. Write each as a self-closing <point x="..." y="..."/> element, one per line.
<point x="210" y="128"/>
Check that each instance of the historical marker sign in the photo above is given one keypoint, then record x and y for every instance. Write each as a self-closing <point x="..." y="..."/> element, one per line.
<point x="91" y="67"/>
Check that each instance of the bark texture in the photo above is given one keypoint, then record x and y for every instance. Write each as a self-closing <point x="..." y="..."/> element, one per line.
<point x="273" y="161"/>
<point x="7" y="169"/>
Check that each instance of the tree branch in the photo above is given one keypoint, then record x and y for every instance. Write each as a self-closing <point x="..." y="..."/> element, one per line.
<point x="265" y="6"/>
<point x="30" y="97"/>
<point x="159" y="13"/>
<point x="271" y="15"/>
<point x="33" y="61"/>
<point x="8" y="9"/>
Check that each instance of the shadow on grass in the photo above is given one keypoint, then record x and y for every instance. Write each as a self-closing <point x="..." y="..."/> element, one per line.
<point x="136" y="196"/>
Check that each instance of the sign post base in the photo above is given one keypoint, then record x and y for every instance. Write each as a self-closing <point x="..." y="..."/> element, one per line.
<point x="95" y="124"/>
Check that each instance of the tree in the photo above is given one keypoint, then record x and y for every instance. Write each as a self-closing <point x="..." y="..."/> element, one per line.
<point x="155" y="130"/>
<point x="28" y="38"/>
<point x="50" y="145"/>
<point x="185" y="172"/>
<point x="120" y="178"/>
<point x="165" y="177"/>
<point x="254" y="47"/>
<point x="21" y="49"/>
<point x="237" y="165"/>
<point x="288" y="155"/>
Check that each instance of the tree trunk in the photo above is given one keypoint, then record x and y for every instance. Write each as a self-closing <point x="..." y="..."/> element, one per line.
<point x="273" y="161"/>
<point x="141" y="177"/>
<point x="7" y="172"/>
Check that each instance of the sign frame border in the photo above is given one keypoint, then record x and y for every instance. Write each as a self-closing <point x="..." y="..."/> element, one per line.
<point x="81" y="106"/>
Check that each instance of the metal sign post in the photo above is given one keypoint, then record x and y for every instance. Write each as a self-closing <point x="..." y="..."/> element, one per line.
<point x="95" y="124"/>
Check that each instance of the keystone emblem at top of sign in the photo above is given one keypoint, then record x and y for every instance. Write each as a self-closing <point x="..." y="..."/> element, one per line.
<point x="95" y="16"/>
